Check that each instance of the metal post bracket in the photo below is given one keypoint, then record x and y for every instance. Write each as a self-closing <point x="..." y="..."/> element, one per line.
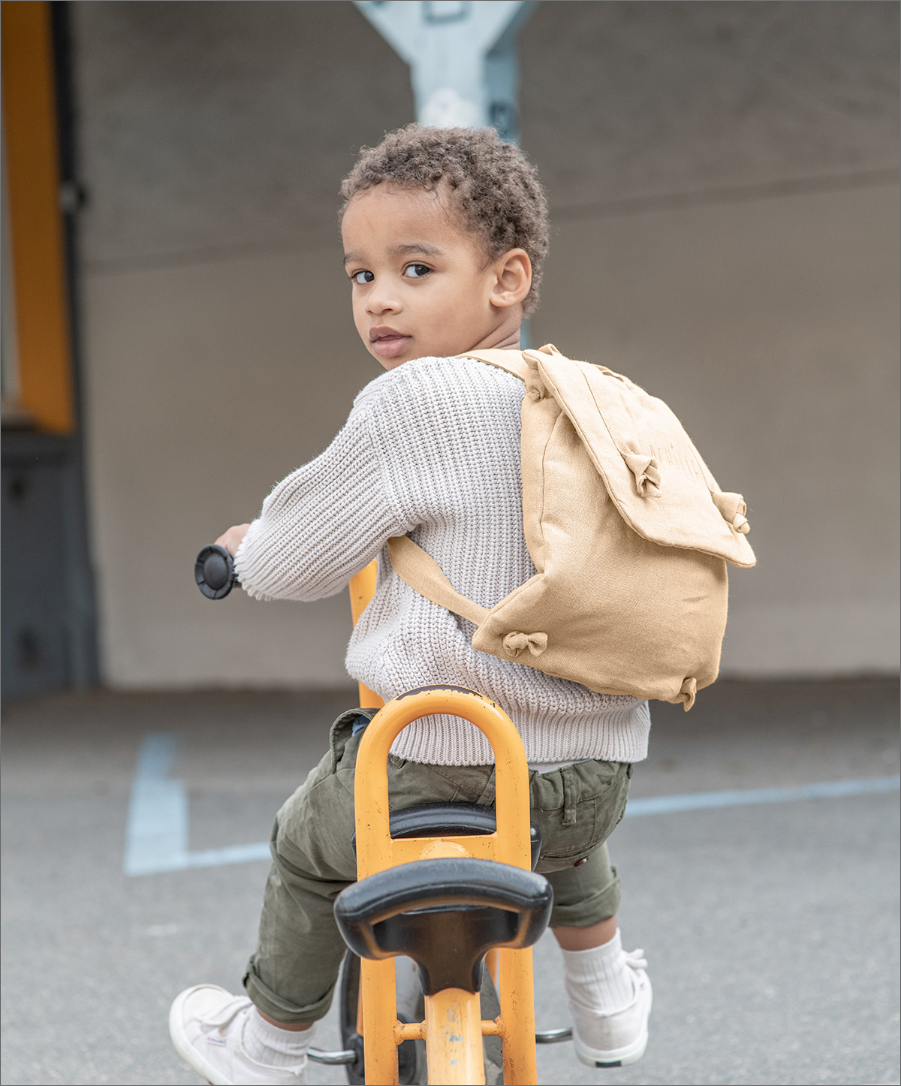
<point x="461" y="55"/>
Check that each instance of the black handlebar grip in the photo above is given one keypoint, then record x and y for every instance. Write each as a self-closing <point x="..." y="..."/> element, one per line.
<point x="214" y="572"/>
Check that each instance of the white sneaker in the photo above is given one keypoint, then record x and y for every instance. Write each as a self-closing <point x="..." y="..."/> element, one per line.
<point x="614" y="1040"/>
<point x="206" y="1024"/>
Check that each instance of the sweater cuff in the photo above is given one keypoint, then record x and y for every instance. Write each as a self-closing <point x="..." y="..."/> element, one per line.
<point x="240" y="570"/>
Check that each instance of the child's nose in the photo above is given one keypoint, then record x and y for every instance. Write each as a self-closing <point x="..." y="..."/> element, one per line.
<point x="382" y="301"/>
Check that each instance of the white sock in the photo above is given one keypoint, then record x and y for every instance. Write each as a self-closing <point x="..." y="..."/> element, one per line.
<point x="274" y="1047"/>
<point x="599" y="979"/>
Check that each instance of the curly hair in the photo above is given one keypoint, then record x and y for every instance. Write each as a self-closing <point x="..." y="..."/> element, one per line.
<point x="495" y="187"/>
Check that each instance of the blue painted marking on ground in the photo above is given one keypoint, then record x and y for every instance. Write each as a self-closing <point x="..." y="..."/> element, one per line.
<point x="156" y="837"/>
<point x="700" y="801"/>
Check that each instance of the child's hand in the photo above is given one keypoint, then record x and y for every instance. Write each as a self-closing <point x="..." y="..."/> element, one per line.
<point x="231" y="539"/>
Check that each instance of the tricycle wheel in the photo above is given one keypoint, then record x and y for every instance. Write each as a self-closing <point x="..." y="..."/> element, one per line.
<point x="411" y="1062"/>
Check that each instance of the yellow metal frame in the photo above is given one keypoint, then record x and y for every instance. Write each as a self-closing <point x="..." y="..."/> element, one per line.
<point x="362" y="589"/>
<point x="452" y="1028"/>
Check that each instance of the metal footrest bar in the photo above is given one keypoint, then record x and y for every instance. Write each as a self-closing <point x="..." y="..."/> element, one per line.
<point x="553" y="1036"/>
<point x="333" y="1059"/>
<point x="345" y="1056"/>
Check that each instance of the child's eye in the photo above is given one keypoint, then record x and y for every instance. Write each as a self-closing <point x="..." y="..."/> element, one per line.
<point x="416" y="271"/>
<point x="362" y="277"/>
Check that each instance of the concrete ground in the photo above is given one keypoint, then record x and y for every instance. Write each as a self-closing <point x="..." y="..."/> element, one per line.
<point x="771" y="929"/>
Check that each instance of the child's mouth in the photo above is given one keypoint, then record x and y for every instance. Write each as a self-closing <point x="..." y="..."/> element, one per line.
<point x="389" y="344"/>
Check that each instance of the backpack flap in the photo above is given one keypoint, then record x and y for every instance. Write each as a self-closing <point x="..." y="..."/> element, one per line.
<point x="652" y="471"/>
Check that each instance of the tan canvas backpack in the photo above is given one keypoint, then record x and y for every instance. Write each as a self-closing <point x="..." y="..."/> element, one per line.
<point x="628" y="531"/>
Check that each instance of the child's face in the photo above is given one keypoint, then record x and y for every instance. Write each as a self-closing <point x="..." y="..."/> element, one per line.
<point x="421" y="283"/>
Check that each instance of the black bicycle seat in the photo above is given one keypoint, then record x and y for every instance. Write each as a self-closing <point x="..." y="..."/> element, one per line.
<point x="444" y="914"/>
<point x="451" y="820"/>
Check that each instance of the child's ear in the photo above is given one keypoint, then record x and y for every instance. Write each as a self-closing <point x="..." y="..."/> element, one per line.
<point x="512" y="278"/>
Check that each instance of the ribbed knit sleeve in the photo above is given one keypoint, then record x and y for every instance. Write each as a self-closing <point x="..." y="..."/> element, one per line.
<point x="323" y="523"/>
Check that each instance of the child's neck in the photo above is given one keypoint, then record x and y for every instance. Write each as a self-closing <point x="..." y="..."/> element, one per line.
<point x="502" y="339"/>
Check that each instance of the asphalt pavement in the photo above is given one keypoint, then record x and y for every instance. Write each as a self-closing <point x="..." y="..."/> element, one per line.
<point x="769" y="916"/>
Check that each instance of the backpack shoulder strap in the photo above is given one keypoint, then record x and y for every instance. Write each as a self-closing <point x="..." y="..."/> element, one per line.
<point x="410" y="562"/>
<point x="423" y="574"/>
<point x="511" y="361"/>
<point x="417" y="568"/>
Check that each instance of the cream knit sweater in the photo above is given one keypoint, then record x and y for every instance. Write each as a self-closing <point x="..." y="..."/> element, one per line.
<point x="431" y="449"/>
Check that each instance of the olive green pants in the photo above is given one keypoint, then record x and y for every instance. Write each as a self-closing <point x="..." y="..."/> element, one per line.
<point x="292" y="974"/>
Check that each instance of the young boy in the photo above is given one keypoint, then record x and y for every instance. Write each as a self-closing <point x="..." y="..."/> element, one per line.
<point x="444" y="232"/>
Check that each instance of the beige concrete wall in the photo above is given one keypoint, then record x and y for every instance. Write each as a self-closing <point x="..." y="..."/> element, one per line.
<point x="209" y="382"/>
<point x="723" y="181"/>
<point x="219" y="348"/>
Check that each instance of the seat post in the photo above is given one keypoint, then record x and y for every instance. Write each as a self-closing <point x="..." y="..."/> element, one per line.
<point x="453" y="1024"/>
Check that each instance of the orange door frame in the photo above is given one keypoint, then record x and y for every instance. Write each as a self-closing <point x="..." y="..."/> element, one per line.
<point x="43" y="329"/>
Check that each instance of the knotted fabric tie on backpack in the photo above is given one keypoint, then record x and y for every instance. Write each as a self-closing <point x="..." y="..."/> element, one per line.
<point x="515" y="643"/>
<point x="688" y="693"/>
<point x="646" y="472"/>
<point x="732" y="508"/>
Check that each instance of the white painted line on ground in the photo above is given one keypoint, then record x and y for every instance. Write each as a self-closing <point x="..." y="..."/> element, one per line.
<point x="156" y="837"/>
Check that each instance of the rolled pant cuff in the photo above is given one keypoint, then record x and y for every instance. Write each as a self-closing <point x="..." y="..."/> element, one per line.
<point x="598" y="907"/>
<point x="276" y="1007"/>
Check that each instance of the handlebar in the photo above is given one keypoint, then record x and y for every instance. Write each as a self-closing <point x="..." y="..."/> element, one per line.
<point x="214" y="572"/>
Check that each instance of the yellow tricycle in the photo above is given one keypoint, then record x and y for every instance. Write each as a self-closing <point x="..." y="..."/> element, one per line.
<point x="445" y="898"/>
